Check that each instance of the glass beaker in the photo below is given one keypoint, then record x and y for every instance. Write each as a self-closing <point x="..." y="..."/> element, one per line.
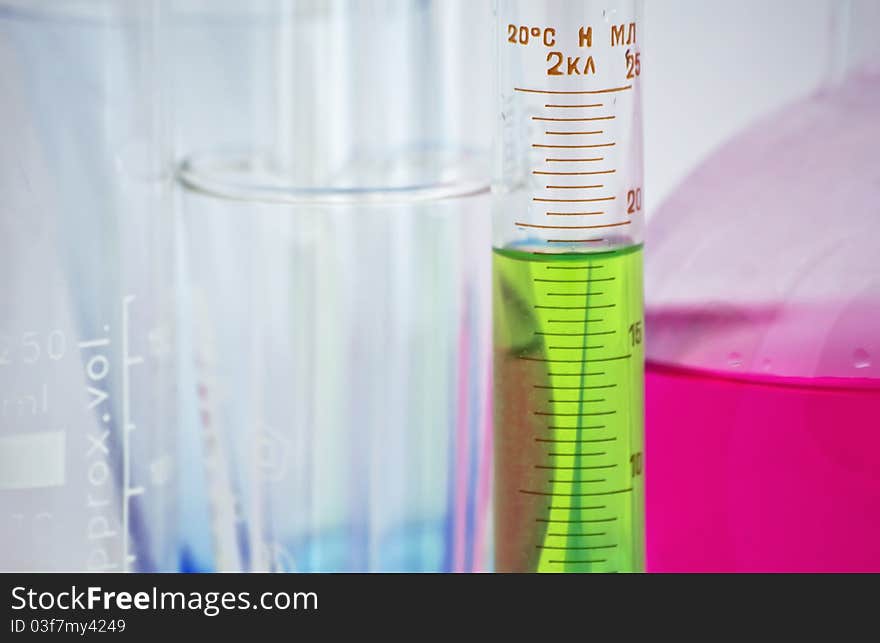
<point x="86" y="335"/>
<point x="336" y="224"/>
<point x="763" y="386"/>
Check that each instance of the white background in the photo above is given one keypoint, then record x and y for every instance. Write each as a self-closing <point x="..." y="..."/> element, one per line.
<point x="712" y="67"/>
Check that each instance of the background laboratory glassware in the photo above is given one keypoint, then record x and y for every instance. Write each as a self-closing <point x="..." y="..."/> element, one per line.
<point x="568" y="287"/>
<point x="763" y="299"/>
<point x="335" y="232"/>
<point x="86" y="342"/>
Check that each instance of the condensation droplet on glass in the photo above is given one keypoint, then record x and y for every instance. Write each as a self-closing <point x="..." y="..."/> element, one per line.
<point x="734" y="360"/>
<point x="861" y="358"/>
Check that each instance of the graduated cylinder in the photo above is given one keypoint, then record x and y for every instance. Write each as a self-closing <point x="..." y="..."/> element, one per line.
<point x="568" y="357"/>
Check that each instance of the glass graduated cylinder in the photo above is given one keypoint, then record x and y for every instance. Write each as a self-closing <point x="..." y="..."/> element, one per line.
<point x="569" y="411"/>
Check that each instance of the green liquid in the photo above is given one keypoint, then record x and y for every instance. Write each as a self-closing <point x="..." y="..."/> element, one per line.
<point x="569" y="386"/>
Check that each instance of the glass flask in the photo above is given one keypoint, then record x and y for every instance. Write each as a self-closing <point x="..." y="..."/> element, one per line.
<point x="763" y="345"/>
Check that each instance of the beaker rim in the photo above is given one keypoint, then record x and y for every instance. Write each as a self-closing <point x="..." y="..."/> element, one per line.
<point x="251" y="177"/>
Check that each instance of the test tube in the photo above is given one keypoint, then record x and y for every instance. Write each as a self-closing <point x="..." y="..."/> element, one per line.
<point x="567" y="287"/>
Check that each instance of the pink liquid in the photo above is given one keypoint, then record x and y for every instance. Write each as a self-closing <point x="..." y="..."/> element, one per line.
<point x="761" y="473"/>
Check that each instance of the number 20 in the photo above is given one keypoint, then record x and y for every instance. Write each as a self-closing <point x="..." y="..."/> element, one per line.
<point x="634" y="201"/>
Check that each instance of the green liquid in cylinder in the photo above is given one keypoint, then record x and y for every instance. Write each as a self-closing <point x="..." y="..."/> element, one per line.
<point x="569" y="389"/>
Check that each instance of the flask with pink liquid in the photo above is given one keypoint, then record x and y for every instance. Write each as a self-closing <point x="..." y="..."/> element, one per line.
<point x="763" y="347"/>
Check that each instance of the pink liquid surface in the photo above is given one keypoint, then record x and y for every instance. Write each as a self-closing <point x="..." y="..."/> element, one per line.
<point x="761" y="473"/>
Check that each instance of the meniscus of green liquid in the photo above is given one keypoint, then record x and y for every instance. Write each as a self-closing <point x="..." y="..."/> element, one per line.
<point x="569" y="387"/>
